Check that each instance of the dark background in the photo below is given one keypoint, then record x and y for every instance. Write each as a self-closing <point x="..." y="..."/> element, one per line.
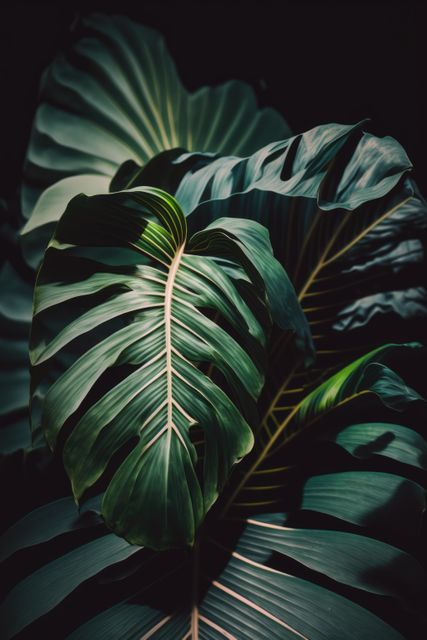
<point x="314" y="62"/>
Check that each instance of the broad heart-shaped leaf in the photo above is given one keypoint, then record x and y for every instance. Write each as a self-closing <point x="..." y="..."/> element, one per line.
<point x="145" y="325"/>
<point x="117" y="96"/>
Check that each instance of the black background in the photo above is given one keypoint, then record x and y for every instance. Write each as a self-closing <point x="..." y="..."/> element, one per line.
<point x="314" y="62"/>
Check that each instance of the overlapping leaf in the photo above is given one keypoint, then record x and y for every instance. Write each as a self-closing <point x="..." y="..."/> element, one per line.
<point x="117" y="96"/>
<point x="346" y="222"/>
<point x="239" y="582"/>
<point x="368" y="375"/>
<point x="55" y="580"/>
<point x="289" y="186"/>
<point x="90" y="120"/>
<point x="147" y="314"/>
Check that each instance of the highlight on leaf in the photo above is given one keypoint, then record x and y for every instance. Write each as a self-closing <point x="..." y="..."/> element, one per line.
<point x="367" y="376"/>
<point x="117" y="96"/>
<point x="127" y="310"/>
<point x="352" y="248"/>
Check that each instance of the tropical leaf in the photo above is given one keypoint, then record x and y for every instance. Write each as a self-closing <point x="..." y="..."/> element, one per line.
<point x="248" y="599"/>
<point x="366" y="376"/>
<point x="88" y="123"/>
<point x="117" y="96"/>
<point x="333" y="552"/>
<point x="345" y="220"/>
<point x="238" y="582"/>
<point x="367" y="373"/>
<point x="163" y="338"/>
<point x="272" y="574"/>
<point x="288" y="186"/>
<point x="350" y="558"/>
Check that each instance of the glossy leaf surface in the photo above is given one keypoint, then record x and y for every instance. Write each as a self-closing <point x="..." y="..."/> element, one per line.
<point x="368" y="376"/>
<point x="150" y="315"/>
<point x="117" y="96"/>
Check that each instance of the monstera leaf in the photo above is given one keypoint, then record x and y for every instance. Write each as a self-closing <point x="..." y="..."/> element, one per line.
<point x="346" y="221"/>
<point x="334" y="542"/>
<point x="117" y="96"/>
<point x="352" y="269"/>
<point x="91" y="120"/>
<point x="153" y="318"/>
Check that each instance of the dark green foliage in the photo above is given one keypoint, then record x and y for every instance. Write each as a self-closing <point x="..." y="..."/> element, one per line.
<point x="317" y="533"/>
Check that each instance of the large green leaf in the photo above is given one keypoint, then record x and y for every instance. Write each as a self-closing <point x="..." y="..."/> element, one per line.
<point x="90" y="120"/>
<point x="345" y="220"/>
<point x="353" y="559"/>
<point x="289" y="185"/>
<point x="162" y="338"/>
<point x="269" y="574"/>
<point x="235" y="582"/>
<point x="302" y="166"/>
<point x="249" y="600"/>
<point x="366" y="376"/>
<point x="329" y="493"/>
<point x="117" y="96"/>
<point x="318" y="167"/>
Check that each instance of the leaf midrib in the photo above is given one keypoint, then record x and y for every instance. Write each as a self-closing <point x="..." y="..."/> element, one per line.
<point x="168" y="340"/>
